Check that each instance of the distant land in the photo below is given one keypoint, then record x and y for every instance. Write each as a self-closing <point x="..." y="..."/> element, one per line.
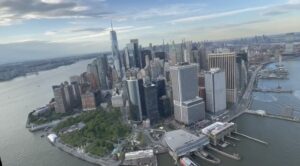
<point x="10" y="71"/>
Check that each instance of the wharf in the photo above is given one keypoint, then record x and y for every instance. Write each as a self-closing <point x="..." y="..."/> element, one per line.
<point x="275" y="90"/>
<point x="232" y="156"/>
<point x="251" y="138"/>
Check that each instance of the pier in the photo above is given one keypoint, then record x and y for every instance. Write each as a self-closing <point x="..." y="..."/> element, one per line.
<point x="273" y="90"/>
<point x="207" y="157"/>
<point x="280" y="117"/>
<point x="251" y="138"/>
<point x="233" y="138"/>
<point x="231" y="156"/>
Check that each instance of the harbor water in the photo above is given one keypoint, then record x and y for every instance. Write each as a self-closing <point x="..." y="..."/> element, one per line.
<point x="18" y="147"/>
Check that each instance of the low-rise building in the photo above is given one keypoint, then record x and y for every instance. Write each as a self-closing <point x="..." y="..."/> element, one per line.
<point x="140" y="158"/>
<point x="218" y="130"/>
<point x="181" y="142"/>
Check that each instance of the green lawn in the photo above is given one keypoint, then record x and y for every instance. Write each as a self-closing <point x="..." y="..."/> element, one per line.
<point x="102" y="130"/>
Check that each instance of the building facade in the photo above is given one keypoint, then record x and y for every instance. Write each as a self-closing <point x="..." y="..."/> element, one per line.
<point x="151" y="102"/>
<point x="102" y="65"/>
<point x="188" y="107"/>
<point x="115" y="53"/>
<point x="60" y="99"/>
<point x="215" y="90"/>
<point x="135" y="105"/>
<point x="226" y="62"/>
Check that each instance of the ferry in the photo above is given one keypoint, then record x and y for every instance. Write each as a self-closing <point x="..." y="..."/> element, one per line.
<point x="184" y="161"/>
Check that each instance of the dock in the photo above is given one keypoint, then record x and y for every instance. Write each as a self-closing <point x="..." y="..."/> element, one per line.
<point x="275" y="90"/>
<point x="280" y="117"/>
<point x="251" y="138"/>
<point x="213" y="160"/>
<point x="233" y="138"/>
<point x="231" y="156"/>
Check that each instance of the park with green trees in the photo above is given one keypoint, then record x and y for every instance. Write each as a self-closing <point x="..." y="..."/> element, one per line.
<point x="102" y="131"/>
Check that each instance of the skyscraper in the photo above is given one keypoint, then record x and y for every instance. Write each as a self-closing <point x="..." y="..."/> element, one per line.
<point x="137" y="53"/>
<point x="60" y="99"/>
<point x="135" y="105"/>
<point x="93" y="75"/>
<point x="215" y="90"/>
<point x="242" y="70"/>
<point x="188" y="107"/>
<point x="115" y="52"/>
<point x="102" y="66"/>
<point x="151" y="102"/>
<point x="226" y="62"/>
<point x="69" y="95"/>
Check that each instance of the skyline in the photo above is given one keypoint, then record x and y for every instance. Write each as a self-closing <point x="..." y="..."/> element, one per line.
<point x="38" y="29"/>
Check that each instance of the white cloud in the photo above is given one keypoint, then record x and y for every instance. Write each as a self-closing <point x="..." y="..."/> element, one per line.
<point x="52" y="1"/>
<point x="50" y="33"/>
<point x="294" y="1"/>
<point x="221" y="14"/>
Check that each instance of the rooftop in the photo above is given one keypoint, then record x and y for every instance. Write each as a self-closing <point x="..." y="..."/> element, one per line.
<point x="216" y="128"/>
<point x="178" y="138"/>
<point x="139" y="154"/>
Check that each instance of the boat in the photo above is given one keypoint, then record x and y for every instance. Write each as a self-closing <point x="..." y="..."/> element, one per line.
<point x="184" y="161"/>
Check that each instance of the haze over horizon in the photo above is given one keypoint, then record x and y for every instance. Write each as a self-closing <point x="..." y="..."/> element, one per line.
<point x="38" y="29"/>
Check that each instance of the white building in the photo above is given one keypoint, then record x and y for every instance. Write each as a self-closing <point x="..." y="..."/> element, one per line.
<point x="188" y="107"/>
<point x="215" y="89"/>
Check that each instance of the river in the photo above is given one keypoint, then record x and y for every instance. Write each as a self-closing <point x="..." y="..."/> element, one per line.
<point x="18" y="147"/>
<point x="18" y="97"/>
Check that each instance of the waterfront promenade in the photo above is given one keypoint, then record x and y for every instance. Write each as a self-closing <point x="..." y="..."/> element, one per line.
<point x="84" y="156"/>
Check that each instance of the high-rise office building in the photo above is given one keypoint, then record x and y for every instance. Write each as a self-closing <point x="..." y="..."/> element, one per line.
<point x="242" y="72"/>
<point x="102" y="65"/>
<point x="93" y="75"/>
<point x="144" y="55"/>
<point x="69" y="95"/>
<point x="135" y="106"/>
<point x="115" y="52"/>
<point x="226" y="62"/>
<point x="188" y="107"/>
<point x="61" y="105"/>
<point x="91" y="100"/>
<point x="137" y="53"/>
<point x="76" y="93"/>
<point x="151" y="102"/>
<point x="215" y="90"/>
<point x="129" y="56"/>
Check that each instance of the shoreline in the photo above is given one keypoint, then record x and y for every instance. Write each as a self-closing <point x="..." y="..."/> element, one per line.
<point x="9" y="72"/>
<point x="84" y="156"/>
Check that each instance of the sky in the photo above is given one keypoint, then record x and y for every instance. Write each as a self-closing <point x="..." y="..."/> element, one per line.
<point x="37" y="29"/>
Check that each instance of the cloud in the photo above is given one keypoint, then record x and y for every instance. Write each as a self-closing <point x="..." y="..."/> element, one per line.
<point x="294" y="1"/>
<point x="218" y="15"/>
<point x="99" y="29"/>
<point x="234" y="25"/>
<point x="12" y="11"/>
<point x="50" y="33"/>
<point x="177" y="9"/>
<point x="169" y="10"/>
<point x="270" y="10"/>
<point x="283" y="9"/>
